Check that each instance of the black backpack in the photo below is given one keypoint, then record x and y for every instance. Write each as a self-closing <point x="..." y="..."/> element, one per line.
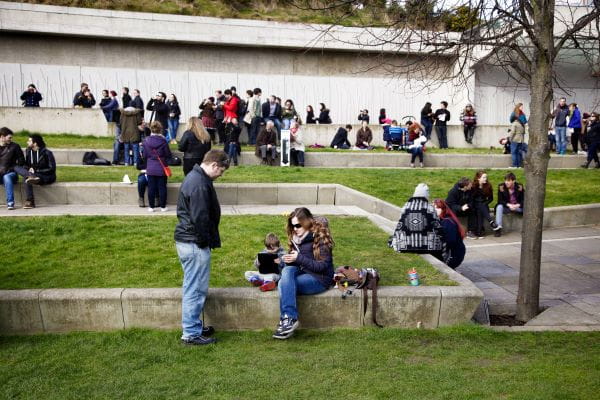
<point x="241" y="110"/>
<point x="348" y="279"/>
<point x="91" y="158"/>
<point x="174" y="161"/>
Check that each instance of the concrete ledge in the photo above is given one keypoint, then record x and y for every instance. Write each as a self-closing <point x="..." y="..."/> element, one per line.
<point x="20" y="311"/>
<point x="152" y="308"/>
<point x="65" y="310"/>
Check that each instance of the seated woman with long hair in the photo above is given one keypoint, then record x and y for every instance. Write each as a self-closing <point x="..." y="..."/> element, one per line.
<point x="453" y="234"/>
<point x="309" y="266"/>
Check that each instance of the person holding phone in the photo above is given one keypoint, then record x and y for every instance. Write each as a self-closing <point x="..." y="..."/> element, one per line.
<point x="31" y="97"/>
<point x="309" y="266"/>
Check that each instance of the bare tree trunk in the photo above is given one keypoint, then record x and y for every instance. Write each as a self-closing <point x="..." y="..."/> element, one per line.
<point x="536" y="164"/>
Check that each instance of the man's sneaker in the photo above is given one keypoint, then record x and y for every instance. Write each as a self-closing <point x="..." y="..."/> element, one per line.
<point x="150" y="209"/>
<point x="10" y="206"/>
<point x="198" y="341"/>
<point x="494" y="225"/>
<point x="164" y="209"/>
<point x="268" y="286"/>
<point x="481" y="235"/>
<point x="33" y="180"/>
<point x="471" y="235"/>
<point x="208" y="331"/>
<point x="141" y="202"/>
<point x="286" y="328"/>
<point x="28" y="204"/>
<point x="498" y="233"/>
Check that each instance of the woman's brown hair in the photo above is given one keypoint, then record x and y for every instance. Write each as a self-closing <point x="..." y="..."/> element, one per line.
<point x="486" y="188"/>
<point x="320" y="231"/>
<point x="517" y="110"/>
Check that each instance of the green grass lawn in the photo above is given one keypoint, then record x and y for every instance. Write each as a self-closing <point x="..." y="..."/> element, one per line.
<point x="564" y="187"/>
<point x="466" y="362"/>
<point x="68" y="141"/>
<point x="140" y="251"/>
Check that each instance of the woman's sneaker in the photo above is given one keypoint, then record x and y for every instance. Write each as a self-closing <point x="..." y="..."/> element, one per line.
<point x="471" y="235"/>
<point x="286" y="328"/>
<point x="198" y="341"/>
<point x="494" y="225"/>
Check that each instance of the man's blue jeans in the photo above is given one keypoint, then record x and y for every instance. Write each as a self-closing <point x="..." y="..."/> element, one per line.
<point x="442" y="134"/>
<point x="8" y="180"/>
<point x="294" y="282"/>
<point x="516" y="154"/>
<point x="500" y="211"/>
<point x="196" y="273"/>
<point x="172" y="131"/>
<point x="136" y="153"/>
<point x="561" y="139"/>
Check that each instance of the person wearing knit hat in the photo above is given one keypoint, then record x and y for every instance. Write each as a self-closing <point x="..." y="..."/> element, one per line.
<point x="422" y="190"/>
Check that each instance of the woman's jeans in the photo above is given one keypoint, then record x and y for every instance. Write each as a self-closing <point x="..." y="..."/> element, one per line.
<point x="416" y="151"/>
<point x="157" y="184"/>
<point x="297" y="157"/>
<point x="9" y="180"/>
<point x="195" y="262"/>
<point x="561" y="139"/>
<point x="292" y="283"/>
<point x="232" y="152"/>
<point x="442" y="136"/>
<point x="286" y="123"/>
<point x="142" y="184"/>
<point x="428" y="125"/>
<point x="469" y="131"/>
<point x="516" y="153"/>
<point x="136" y="153"/>
<point x="482" y="214"/>
<point x="172" y="131"/>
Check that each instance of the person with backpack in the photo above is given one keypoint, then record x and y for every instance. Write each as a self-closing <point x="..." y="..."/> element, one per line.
<point x="452" y="234"/>
<point x="308" y="270"/>
<point x="174" y="114"/>
<point x="418" y="229"/>
<point x="157" y="153"/>
<point x="39" y="167"/>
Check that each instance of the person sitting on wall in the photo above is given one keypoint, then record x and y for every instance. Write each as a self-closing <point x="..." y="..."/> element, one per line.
<point x="266" y="143"/>
<point x="39" y="167"/>
<point x="31" y="97"/>
<point x="83" y="87"/>
<point x="340" y="140"/>
<point x="452" y="234"/>
<point x="364" y="116"/>
<point x="460" y="201"/>
<point x="364" y="137"/>
<point x="511" y="196"/>
<point x="11" y="156"/>
<point x="271" y="111"/>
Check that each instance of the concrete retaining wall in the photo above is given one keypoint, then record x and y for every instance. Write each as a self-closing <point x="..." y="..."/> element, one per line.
<point x="78" y="121"/>
<point x="362" y="159"/>
<point x="65" y="310"/>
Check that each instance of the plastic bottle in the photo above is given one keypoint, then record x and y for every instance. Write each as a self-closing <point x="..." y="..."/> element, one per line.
<point x="413" y="277"/>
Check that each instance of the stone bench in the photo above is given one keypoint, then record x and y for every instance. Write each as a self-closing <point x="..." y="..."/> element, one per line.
<point x="63" y="310"/>
<point x="360" y="159"/>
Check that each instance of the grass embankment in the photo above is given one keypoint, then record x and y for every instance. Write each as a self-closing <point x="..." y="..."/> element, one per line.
<point x="140" y="251"/>
<point x="465" y="362"/>
<point x="67" y="141"/>
<point x="564" y="187"/>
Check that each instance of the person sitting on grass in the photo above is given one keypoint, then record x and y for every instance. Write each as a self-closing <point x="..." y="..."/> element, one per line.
<point x="266" y="144"/>
<point x="11" y="156"/>
<point x="452" y="235"/>
<point x="340" y="140"/>
<point x="511" y="195"/>
<point x="364" y="137"/>
<point x="39" y="168"/>
<point x="308" y="270"/>
<point x="267" y="282"/>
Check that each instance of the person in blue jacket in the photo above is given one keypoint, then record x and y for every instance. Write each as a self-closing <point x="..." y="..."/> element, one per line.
<point x="453" y="234"/>
<point x="575" y="124"/>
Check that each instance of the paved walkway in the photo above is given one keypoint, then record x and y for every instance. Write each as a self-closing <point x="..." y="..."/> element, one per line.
<point x="570" y="276"/>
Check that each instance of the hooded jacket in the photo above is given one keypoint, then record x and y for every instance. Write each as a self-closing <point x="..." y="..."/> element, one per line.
<point x="131" y="118"/>
<point x="43" y="163"/>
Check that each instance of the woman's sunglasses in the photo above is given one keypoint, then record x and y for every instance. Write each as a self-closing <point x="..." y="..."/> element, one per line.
<point x="296" y="226"/>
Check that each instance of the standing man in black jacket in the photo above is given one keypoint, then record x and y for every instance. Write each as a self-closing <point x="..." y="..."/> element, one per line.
<point x="196" y="234"/>
<point x="460" y="200"/>
<point x="126" y="99"/>
<point x="442" y="116"/>
<point x="160" y="110"/>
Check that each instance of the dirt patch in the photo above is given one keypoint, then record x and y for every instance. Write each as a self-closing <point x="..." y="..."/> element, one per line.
<point x="505" y="320"/>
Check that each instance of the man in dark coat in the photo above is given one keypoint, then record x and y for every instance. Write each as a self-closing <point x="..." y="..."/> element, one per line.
<point x="11" y="156"/>
<point x="160" y="110"/>
<point x="460" y="200"/>
<point x="340" y="140"/>
<point x="39" y="169"/>
<point x="511" y="196"/>
<point x="196" y="234"/>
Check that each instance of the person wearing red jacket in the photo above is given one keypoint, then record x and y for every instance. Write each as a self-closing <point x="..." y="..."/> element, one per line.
<point x="230" y="106"/>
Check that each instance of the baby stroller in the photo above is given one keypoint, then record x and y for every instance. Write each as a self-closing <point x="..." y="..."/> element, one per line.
<point x="399" y="134"/>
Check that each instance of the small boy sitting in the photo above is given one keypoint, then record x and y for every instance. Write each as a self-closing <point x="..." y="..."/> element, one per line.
<point x="267" y="282"/>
